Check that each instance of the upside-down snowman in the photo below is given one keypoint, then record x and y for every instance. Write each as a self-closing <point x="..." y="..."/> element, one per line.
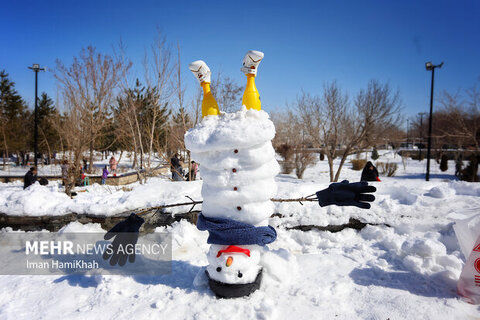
<point x="238" y="171"/>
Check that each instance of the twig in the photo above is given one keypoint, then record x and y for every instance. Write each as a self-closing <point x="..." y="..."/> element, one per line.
<point x="146" y="210"/>
<point x="193" y="203"/>
<point x="295" y="200"/>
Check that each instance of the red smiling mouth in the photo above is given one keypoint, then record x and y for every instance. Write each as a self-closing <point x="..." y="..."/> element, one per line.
<point x="234" y="249"/>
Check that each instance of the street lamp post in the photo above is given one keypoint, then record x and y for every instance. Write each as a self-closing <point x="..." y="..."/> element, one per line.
<point x="430" y="67"/>
<point x="36" y="68"/>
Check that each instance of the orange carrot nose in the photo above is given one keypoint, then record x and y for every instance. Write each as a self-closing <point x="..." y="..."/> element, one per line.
<point x="229" y="261"/>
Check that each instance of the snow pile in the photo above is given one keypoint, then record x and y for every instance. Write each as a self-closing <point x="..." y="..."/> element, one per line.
<point x="407" y="270"/>
<point x="241" y="129"/>
<point x="428" y="257"/>
<point x="441" y="192"/>
<point x="96" y="199"/>
<point x="403" y="195"/>
<point x="466" y="188"/>
<point x="76" y="226"/>
<point x="36" y="200"/>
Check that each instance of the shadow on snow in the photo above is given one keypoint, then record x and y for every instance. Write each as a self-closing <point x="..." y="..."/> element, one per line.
<point x="181" y="276"/>
<point x="417" y="284"/>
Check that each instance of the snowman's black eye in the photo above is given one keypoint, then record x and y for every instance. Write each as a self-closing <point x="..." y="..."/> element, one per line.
<point x="240" y="274"/>
<point x="219" y="269"/>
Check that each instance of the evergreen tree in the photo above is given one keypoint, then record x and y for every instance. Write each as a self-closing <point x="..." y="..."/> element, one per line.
<point x="48" y="138"/>
<point x="11" y="103"/>
<point x="182" y="118"/>
<point x="375" y="155"/>
<point x="46" y="109"/>
<point x="15" y="131"/>
<point x="108" y="140"/>
<point x="138" y="114"/>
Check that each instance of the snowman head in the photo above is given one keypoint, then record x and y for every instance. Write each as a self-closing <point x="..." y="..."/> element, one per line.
<point x="233" y="264"/>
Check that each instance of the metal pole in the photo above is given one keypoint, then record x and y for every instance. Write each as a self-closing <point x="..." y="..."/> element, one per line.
<point x="36" y="68"/>
<point x="427" y="177"/>
<point x="35" y="148"/>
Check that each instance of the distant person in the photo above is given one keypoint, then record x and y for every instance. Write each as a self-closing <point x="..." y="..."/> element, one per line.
<point x="369" y="173"/>
<point x="113" y="165"/>
<point x="176" y="168"/>
<point x="458" y="166"/>
<point x="81" y="181"/>
<point x="104" y="175"/>
<point x="30" y="178"/>
<point x="193" y="170"/>
<point x="64" y="167"/>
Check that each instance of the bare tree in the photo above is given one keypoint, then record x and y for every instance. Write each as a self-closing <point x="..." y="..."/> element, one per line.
<point x="181" y="120"/>
<point x="158" y="74"/>
<point x="142" y="111"/>
<point x="379" y="107"/>
<point x="141" y="123"/>
<point x="338" y="128"/>
<point x="74" y="139"/>
<point x="459" y="118"/>
<point x="197" y="106"/>
<point x="227" y="93"/>
<point x="291" y="142"/>
<point x="326" y="121"/>
<point x="283" y="141"/>
<point x="88" y="89"/>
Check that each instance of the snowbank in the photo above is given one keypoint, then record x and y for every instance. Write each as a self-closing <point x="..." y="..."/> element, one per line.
<point x="406" y="267"/>
<point x="377" y="273"/>
<point x="97" y="199"/>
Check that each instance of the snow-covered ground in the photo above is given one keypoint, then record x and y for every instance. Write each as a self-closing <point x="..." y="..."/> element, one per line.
<point x="405" y="267"/>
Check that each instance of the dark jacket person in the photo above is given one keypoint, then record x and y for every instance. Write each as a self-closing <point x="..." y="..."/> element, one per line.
<point x="176" y="168"/>
<point x="30" y="177"/>
<point x="369" y="173"/>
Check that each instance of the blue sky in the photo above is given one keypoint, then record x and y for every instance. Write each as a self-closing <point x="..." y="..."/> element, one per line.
<point x="306" y="43"/>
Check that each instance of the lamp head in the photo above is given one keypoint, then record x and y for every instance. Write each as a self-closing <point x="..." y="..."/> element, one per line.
<point x="429" y="65"/>
<point x="36" y="67"/>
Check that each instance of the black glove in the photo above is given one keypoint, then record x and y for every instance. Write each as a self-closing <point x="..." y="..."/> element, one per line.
<point x="347" y="194"/>
<point x="126" y="236"/>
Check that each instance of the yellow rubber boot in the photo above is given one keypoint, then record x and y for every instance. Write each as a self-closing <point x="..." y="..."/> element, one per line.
<point x="251" y="97"/>
<point x="209" y="104"/>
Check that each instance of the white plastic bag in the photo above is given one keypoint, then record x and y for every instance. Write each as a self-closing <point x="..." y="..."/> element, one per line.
<point x="468" y="235"/>
<point x="467" y="232"/>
